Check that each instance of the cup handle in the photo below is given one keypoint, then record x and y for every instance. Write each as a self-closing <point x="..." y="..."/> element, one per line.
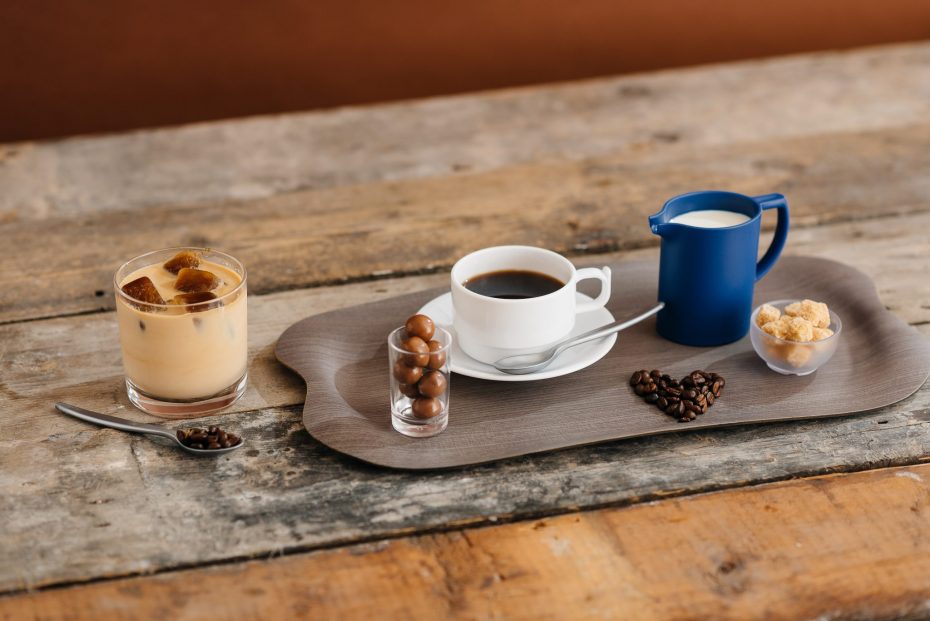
<point x="773" y="201"/>
<point x="602" y="274"/>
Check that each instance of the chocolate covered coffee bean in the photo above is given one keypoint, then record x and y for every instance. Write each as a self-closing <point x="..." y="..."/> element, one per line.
<point x="421" y="356"/>
<point x="421" y="326"/>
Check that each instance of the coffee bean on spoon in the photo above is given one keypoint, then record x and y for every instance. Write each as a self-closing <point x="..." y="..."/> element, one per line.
<point x="211" y="439"/>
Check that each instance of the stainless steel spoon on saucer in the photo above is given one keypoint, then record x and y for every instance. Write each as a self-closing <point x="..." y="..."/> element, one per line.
<point x="127" y="425"/>
<point x="530" y="363"/>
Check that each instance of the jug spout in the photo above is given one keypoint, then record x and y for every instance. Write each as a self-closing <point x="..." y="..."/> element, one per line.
<point x="658" y="224"/>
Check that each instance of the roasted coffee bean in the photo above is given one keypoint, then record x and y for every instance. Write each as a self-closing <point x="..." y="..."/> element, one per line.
<point x="211" y="438"/>
<point x="684" y="399"/>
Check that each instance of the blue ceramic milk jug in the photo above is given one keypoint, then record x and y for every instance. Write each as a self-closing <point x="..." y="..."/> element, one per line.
<point x="708" y="267"/>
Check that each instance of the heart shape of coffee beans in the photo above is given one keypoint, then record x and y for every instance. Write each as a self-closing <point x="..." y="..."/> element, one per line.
<point x="684" y="399"/>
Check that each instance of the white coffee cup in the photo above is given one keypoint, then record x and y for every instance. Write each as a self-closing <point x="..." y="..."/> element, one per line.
<point x="489" y="329"/>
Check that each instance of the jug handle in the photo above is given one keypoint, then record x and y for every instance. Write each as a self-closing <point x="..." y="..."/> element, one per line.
<point x="773" y="201"/>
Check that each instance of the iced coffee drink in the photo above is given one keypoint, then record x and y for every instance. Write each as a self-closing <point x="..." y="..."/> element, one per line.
<point x="183" y="330"/>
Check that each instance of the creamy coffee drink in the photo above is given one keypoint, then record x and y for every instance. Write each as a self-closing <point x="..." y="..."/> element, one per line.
<point x="183" y="331"/>
<point x="710" y="218"/>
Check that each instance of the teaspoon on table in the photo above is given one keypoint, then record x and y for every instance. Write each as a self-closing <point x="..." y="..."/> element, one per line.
<point x="127" y="425"/>
<point x="530" y="363"/>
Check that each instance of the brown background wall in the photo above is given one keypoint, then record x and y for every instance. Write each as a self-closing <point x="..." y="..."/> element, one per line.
<point x="72" y="66"/>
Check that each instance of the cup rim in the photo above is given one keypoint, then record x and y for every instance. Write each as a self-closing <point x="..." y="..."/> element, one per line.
<point x="834" y="321"/>
<point x="443" y="349"/>
<point x="457" y="284"/>
<point x="120" y="294"/>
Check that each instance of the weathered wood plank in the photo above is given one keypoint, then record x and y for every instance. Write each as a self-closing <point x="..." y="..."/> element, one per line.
<point x="65" y="265"/>
<point x="265" y="156"/>
<point x="83" y="502"/>
<point x="839" y="546"/>
<point x="77" y="358"/>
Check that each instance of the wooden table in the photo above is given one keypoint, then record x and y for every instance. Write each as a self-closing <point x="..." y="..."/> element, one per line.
<point x="827" y="519"/>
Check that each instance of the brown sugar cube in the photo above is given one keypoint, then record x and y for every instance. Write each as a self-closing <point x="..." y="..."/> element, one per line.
<point x="798" y="329"/>
<point x="185" y="258"/>
<point x="816" y="313"/>
<point x="143" y="290"/>
<point x="192" y="280"/>
<point x="777" y="328"/>
<point x="822" y="333"/>
<point x="798" y="355"/>
<point x="766" y="314"/>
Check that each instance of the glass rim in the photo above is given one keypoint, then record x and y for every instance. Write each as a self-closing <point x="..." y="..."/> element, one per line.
<point x="444" y="348"/>
<point x="219" y="299"/>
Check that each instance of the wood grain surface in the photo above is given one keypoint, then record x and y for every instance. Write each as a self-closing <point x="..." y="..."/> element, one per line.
<point x="315" y="237"/>
<point x="851" y="546"/>
<point x="342" y="357"/>
<point x="572" y="166"/>
<point x="246" y="159"/>
<point x="66" y="535"/>
<point x="78" y="358"/>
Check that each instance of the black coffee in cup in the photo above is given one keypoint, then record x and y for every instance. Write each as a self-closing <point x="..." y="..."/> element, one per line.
<point x="513" y="284"/>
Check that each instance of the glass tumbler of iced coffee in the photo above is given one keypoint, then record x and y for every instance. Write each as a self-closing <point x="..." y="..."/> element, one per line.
<point x="183" y="330"/>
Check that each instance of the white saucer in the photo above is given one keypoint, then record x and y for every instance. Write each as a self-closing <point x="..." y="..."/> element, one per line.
<point x="571" y="360"/>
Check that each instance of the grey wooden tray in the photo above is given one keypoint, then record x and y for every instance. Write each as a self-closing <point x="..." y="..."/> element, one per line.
<point x="342" y="356"/>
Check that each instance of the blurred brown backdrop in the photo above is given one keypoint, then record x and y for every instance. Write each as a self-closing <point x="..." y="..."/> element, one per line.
<point x="69" y="66"/>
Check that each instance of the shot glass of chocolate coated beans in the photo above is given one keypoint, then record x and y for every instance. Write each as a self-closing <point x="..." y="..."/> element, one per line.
<point x="683" y="399"/>
<point x="419" y="372"/>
